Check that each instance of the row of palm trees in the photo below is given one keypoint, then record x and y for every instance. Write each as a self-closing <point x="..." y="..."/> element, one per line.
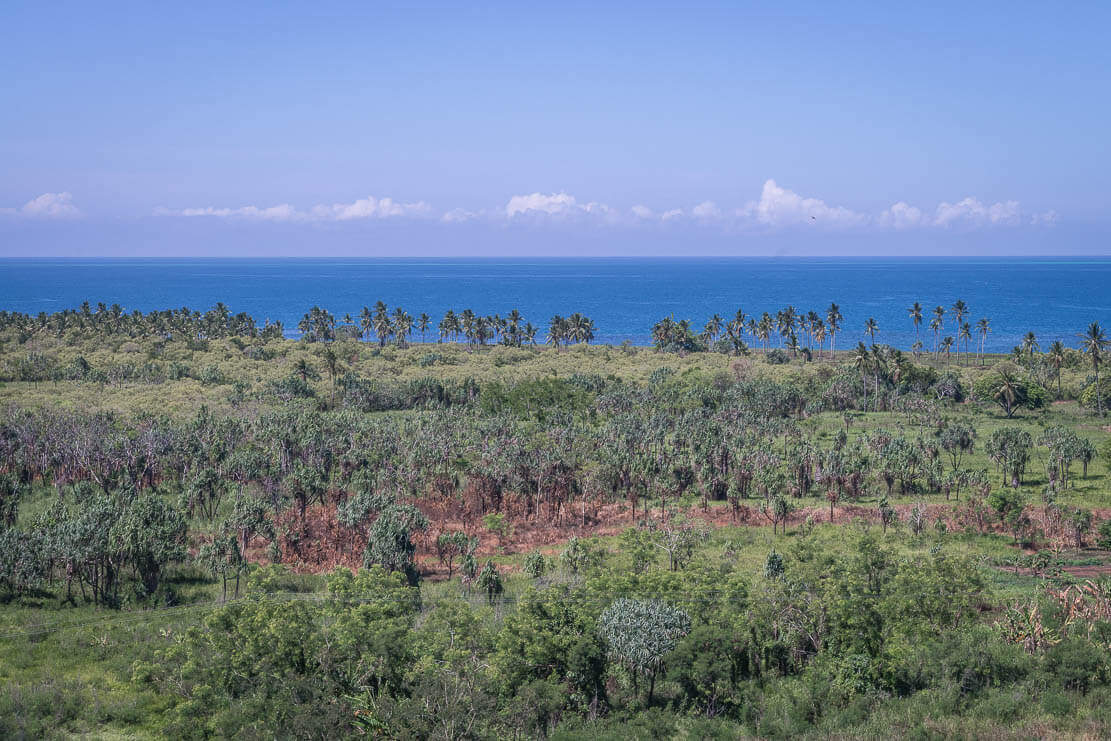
<point x="936" y="325"/>
<point x="398" y="326"/>
<point x="796" y="329"/>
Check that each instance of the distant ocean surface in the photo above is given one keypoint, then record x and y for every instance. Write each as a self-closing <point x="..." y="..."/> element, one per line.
<point x="1054" y="298"/>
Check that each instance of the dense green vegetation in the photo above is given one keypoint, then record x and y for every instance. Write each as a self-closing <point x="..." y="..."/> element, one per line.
<point x="209" y="530"/>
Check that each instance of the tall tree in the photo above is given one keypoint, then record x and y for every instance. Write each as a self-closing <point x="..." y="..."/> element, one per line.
<point x="983" y="326"/>
<point x="833" y="323"/>
<point x="870" y="329"/>
<point x="1057" y="359"/>
<point x="1030" y="345"/>
<point x="1094" y="343"/>
<point x="916" y="317"/>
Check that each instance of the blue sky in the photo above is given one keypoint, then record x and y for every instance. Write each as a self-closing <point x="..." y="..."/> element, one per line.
<point x="367" y="129"/>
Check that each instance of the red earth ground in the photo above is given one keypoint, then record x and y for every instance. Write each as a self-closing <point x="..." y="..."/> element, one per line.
<point x="320" y="543"/>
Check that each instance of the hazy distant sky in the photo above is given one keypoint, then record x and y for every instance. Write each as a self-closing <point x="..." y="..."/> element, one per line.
<point x="558" y="128"/>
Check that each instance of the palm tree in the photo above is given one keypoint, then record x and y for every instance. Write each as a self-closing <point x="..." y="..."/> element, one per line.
<point x="947" y="345"/>
<point x="403" y="327"/>
<point x="937" y="324"/>
<point x="1007" y="392"/>
<point x="736" y="327"/>
<point x="557" y="330"/>
<point x="305" y="369"/>
<point x="785" y="321"/>
<point x="870" y="329"/>
<point x="713" y="327"/>
<point x="580" y="328"/>
<point x="916" y="317"/>
<point x="916" y="348"/>
<point x="1057" y="359"/>
<point x="422" y="324"/>
<point x="935" y="327"/>
<point x="513" y="326"/>
<point x="879" y="363"/>
<point x="764" y="330"/>
<point x="1030" y="345"/>
<point x="467" y="324"/>
<point x="1093" y="343"/>
<point x="983" y="327"/>
<point x="366" y="323"/>
<point x="862" y="361"/>
<point x="833" y="322"/>
<point x="382" y="326"/>
<point x="966" y="335"/>
<point x="331" y="360"/>
<point x="959" y="311"/>
<point x="448" y="326"/>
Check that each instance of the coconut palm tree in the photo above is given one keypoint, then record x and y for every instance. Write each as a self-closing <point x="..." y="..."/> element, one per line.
<point x="1030" y="345"/>
<point x="870" y="329"/>
<point x="382" y="327"/>
<point x="448" y="326"/>
<point x="513" y="327"/>
<point x="966" y="335"/>
<point x="736" y="327"/>
<point x="580" y="328"/>
<point x="467" y="320"/>
<point x="557" y="331"/>
<point x="947" y="345"/>
<point x="713" y="328"/>
<point x="862" y="361"/>
<point x="916" y="317"/>
<point x="880" y="357"/>
<point x="1093" y="343"/>
<point x="938" y="324"/>
<point x="1057" y="359"/>
<point x="983" y="326"/>
<point x="422" y="324"/>
<point x="960" y="309"/>
<point x="786" y="320"/>
<point x="833" y="324"/>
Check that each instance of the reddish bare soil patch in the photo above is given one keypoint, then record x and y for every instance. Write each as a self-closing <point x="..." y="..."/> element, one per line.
<point x="319" y="543"/>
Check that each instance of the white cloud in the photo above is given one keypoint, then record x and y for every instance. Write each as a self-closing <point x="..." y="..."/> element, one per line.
<point x="776" y="208"/>
<point x="458" y="215"/>
<point x="558" y="205"/>
<point x="974" y="213"/>
<point x="362" y="209"/>
<point x="46" y="206"/>
<point x="552" y="204"/>
<point x="902" y="216"/>
<point x="1047" y="218"/>
<point x="284" y="212"/>
<point x="369" y="208"/>
<point x="706" y="210"/>
<point x="781" y="207"/>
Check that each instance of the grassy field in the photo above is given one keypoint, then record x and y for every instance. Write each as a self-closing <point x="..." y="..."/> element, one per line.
<point x="67" y="667"/>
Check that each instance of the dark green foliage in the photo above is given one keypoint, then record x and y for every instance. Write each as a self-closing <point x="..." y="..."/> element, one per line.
<point x="537" y="399"/>
<point x="390" y="543"/>
<point x="1010" y="391"/>
<point x="640" y="634"/>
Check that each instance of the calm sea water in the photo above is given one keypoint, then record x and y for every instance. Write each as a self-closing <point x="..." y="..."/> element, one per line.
<point x="1054" y="298"/>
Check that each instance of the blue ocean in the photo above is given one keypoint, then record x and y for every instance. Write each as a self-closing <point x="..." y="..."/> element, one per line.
<point x="1054" y="298"/>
